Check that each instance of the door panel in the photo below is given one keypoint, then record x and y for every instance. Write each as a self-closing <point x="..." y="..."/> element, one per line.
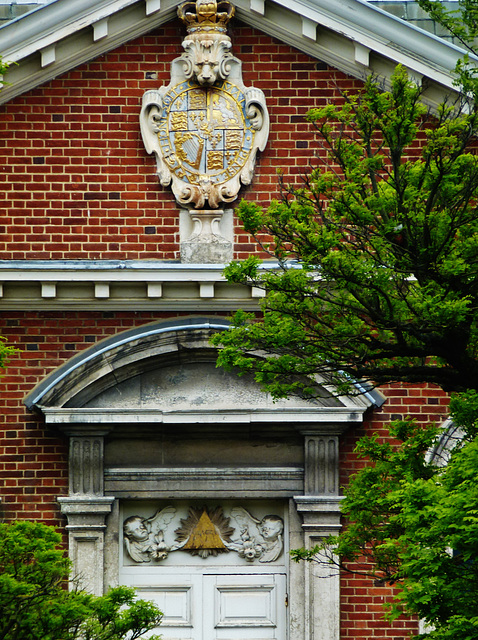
<point x="174" y="601"/>
<point x="220" y="607"/>
<point x="245" y="606"/>
<point x="206" y="582"/>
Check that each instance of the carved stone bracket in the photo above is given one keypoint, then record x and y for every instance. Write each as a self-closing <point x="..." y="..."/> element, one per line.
<point x="206" y="244"/>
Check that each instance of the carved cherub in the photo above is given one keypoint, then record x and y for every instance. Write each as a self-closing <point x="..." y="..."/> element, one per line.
<point x="262" y="539"/>
<point x="144" y="537"/>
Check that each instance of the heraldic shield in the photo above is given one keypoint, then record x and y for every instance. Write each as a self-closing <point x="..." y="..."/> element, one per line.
<point x="205" y="127"/>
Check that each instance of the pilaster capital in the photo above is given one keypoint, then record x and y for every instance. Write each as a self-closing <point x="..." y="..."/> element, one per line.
<point x="86" y="512"/>
<point x="320" y="514"/>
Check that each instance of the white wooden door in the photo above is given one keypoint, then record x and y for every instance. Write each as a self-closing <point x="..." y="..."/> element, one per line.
<point x="226" y="593"/>
<point x="233" y="606"/>
<point x="244" y="606"/>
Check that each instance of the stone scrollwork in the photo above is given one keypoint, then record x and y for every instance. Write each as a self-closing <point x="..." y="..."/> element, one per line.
<point x="205" y="128"/>
<point x="204" y="532"/>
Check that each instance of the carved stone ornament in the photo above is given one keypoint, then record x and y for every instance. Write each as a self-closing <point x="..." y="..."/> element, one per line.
<point x="204" y="532"/>
<point x="205" y="127"/>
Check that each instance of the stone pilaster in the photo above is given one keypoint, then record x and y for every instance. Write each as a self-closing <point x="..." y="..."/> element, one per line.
<point x="321" y="464"/>
<point x="320" y="512"/>
<point x="86" y="465"/>
<point x="86" y="509"/>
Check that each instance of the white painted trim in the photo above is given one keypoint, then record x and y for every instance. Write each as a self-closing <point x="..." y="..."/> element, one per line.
<point x="48" y="290"/>
<point x="121" y="284"/>
<point x="257" y="6"/>
<point x="57" y="416"/>
<point x="53" y="22"/>
<point x="362" y="54"/>
<point x="354" y="20"/>
<point x="309" y="28"/>
<point x="48" y="55"/>
<point x="152" y="6"/>
<point x="111" y="271"/>
<point x="100" y="29"/>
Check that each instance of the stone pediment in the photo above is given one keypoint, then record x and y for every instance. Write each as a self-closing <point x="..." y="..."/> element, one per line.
<point x="353" y="36"/>
<point x="196" y="385"/>
<point x="166" y="373"/>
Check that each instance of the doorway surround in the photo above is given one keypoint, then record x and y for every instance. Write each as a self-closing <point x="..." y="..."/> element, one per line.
<point x="151" y="419"/>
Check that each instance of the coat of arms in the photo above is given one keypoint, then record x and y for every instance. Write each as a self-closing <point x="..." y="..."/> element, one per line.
<point x="205" y="127"/>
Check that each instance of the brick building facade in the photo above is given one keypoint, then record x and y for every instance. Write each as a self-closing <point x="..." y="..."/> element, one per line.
<point x="112" y="407"/>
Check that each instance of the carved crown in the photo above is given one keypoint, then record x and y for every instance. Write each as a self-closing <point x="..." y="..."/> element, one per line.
<point x="206" y="15"/>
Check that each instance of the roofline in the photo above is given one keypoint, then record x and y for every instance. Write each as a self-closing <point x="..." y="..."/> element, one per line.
<point x="368" y="27"/>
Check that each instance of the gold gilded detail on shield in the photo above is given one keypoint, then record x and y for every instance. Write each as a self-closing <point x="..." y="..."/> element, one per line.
<point x="234" y="139"/>
<point x="179" y="121"/>
<point x="197" y="99"/>
<point x="215" y="160"/>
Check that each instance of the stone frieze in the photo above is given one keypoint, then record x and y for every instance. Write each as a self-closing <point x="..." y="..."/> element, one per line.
<point x="204" y="532"/>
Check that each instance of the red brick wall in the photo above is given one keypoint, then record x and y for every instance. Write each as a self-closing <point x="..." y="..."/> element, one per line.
<point x="78" y="184"/>
<point x="362" y="609"/>
<point x="33" y="459"/>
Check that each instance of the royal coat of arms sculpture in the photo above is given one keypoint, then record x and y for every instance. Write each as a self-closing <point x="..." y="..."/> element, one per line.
<point x="205" y="127"/>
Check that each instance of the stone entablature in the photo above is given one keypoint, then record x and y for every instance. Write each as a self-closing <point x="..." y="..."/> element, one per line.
<point x="117" y="284"/>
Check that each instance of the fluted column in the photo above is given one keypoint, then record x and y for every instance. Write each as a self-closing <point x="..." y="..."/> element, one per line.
<point x="320" y="512"/>
<point x="86" y="509"/>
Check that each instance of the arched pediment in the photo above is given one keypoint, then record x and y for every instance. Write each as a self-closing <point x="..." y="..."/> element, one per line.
<point x="451" y="435"/>
<point x="166" y="372"/>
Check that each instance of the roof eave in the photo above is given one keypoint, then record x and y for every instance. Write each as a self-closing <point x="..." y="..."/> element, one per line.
<point x="59" y="36"/>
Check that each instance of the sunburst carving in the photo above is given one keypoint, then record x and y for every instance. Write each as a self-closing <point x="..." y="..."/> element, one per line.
<point x="204" y="532"/>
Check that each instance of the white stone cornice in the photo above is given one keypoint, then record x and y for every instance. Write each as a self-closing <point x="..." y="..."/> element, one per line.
<point x="119" y="285"/>
<point x="84" y="29"/>
<point x="109" y="415"/>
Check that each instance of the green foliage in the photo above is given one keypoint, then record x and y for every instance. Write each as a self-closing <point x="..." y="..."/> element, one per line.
<point x="377" y="253"/>
<point x="461" y="21"/>
<point x="3" y="68"/>
<point x="414" y="523"/>
<point x="6" y="352"/>
<point x="36" y="605"/>
<point x="377" y="280"/>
